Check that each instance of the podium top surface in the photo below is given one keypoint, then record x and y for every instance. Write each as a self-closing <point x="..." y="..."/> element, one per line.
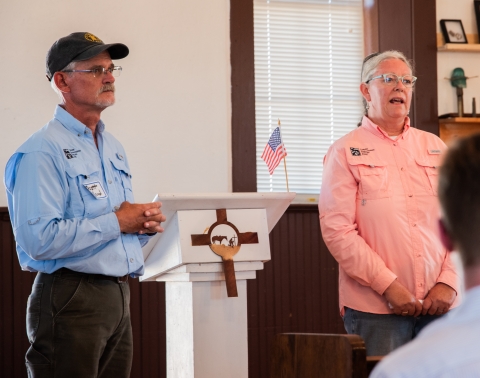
<point x="274" y="203"/>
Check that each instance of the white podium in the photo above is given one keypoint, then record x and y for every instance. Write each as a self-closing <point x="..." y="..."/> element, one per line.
<point x="206" y="328"/>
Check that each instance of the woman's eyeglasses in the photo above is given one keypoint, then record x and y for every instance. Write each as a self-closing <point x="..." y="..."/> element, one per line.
<point x="392" y="79"/>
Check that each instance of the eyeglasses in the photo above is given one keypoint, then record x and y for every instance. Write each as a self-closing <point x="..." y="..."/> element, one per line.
<point x="392" y="79"/>
<point x="99" y="71"/>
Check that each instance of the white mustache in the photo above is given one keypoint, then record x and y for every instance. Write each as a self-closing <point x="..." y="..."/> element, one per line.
<point x="107" y="87"/>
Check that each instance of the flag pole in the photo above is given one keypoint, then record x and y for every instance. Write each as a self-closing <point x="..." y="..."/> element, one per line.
<point x="284" y="158"/>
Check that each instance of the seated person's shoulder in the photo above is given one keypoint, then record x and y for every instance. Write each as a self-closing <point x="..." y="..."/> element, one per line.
<point x="439" y="350"/>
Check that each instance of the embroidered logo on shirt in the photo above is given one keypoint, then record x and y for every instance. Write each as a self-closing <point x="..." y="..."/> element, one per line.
<point x="366" y="151"/>
<point x="435" y="152"/>
<point x="355" y="151"/>
<point x="71" y="153"/>
<point x="360" y="151"/>
<point x="96" y="189"/>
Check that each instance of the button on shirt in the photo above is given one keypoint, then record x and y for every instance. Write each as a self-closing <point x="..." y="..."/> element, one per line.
<point x="62" y="193"/>
<point x="379" y="215"/>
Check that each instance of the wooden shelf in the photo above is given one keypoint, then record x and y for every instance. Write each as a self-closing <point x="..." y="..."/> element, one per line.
<point x="473" y="44"/>
<point x="458" y="127"/>
<point x="459" y="120"/>
<point x="459" y="47"/>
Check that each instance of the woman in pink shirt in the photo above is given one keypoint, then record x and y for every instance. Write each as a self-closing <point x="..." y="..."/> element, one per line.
<point x="379" y="214"/>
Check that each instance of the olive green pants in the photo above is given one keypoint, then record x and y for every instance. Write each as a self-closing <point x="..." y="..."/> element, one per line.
<point x="78" y="325"/>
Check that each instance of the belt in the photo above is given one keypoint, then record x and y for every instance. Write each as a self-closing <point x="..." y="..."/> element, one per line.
<point x="69" y="272"/>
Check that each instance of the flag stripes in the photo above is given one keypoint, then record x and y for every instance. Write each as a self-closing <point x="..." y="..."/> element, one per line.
<point x="274" y="151"/>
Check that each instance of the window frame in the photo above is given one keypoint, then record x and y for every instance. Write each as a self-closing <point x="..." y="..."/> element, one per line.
<point x="418" y="41"/>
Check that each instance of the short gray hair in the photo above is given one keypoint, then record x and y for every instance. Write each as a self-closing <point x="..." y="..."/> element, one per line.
<point x="372" y="61"/>
<point x="70" y="66"/>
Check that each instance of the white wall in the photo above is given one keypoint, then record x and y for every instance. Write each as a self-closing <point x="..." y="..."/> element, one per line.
<point x="173" y="110"/>
<point x="447" y="61"/>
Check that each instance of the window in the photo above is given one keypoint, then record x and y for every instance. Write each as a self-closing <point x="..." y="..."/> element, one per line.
<point x="308" y="57"/>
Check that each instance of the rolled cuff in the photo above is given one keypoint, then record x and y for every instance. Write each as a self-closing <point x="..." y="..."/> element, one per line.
<point x="383" y="281"/>
<point x="450" y="279"/>
<point x="109" y="226"/>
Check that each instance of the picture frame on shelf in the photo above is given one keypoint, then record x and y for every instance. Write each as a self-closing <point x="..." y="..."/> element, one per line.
<point x="453" y="32"/>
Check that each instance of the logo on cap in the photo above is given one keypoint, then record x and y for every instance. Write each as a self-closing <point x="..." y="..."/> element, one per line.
<point x="90" y="37"/>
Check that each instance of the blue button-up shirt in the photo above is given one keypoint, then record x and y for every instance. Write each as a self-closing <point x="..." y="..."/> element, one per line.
<point x="62" y="193"/>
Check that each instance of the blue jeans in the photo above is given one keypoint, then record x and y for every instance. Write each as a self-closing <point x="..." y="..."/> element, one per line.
<point x="383" y="333"/>
<point x="78" y="326"/>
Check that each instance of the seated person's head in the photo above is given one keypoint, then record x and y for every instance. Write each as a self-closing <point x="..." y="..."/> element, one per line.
<point x="459" y="194"/>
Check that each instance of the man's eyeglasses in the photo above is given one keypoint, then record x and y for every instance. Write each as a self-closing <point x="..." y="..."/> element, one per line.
<point x="99" y="71"/>
<point x="392" y="79"/>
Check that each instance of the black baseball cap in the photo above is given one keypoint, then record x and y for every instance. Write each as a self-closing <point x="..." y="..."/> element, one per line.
<point x="79" y="46"/>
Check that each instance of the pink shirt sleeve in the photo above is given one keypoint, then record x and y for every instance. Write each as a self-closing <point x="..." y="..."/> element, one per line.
<point x="449" y="275"/>
<point x="337" y="207"/>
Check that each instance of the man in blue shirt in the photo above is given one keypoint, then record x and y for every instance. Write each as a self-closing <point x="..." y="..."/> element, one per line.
<point x="75" y="221"/>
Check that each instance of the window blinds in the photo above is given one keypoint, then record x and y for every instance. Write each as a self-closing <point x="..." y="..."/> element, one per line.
<point x="308" y="56"/>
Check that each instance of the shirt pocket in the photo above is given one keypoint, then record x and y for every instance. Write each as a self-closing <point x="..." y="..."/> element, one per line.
<point x="122" y="174"/>
<point x="82" y="201"/>
<point x="429" y="167"/>
<point x="373" y="180"/>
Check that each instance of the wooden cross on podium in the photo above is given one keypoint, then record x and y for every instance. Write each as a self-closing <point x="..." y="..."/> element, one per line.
<point x="228" y="250"/>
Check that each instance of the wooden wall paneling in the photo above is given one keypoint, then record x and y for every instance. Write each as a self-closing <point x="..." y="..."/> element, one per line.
<point x="283" y="280"/>
<point x="297" y="290"/>
<point x="149" y="329"/>
<point x="314" y="284"/>
<point x="154" y="338"/>
<point x="370" y="27"/>
<point x="16" y="287"/>
<point x="6" y="304"/>
<point x="244" y="168"/>
<point x="392" y="17"/>
<point x="296" y="264"/>
<point x="410" y="28"/>
<point x="425" y="57"/>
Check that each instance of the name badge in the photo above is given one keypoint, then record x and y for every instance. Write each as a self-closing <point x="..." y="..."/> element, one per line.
<point x="435" y="152"/>
<point x="96" y="189"/>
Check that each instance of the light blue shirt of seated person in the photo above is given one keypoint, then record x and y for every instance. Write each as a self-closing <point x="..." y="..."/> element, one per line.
<point x="62" y="193"/>
<point x="446" y="348"/>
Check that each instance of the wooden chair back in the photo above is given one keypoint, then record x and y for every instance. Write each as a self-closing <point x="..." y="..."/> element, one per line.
<point x="305" y="355"/>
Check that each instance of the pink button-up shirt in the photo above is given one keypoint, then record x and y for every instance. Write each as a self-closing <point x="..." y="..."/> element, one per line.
<point x="379" y="215"/>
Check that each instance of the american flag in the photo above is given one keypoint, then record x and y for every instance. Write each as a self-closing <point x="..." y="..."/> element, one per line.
<point x="274" y="150"/>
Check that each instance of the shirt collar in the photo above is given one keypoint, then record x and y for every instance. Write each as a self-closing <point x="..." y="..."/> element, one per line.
<point x="376" y="130"/>
<point x="72" y="124"/>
